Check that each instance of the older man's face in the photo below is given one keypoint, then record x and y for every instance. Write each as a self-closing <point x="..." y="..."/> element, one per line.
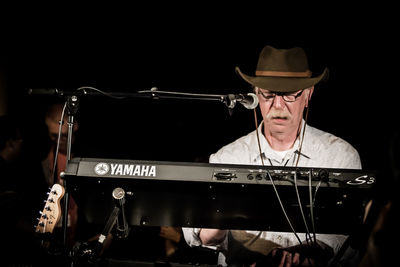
<point x="279" y="115"/>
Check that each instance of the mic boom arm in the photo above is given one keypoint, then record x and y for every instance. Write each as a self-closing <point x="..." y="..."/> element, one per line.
<point x="249" y="101"/>
<point x="117" y="218"/>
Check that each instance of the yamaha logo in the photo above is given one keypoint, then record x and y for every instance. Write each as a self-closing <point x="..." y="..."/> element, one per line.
<point x="101" y="168"/>
<point x="116" y="169"/>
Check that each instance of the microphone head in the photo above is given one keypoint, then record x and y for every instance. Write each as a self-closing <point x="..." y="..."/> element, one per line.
<point x="253" y="103"/>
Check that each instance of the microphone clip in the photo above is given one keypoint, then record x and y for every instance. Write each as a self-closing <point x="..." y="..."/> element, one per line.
<point x="249" y="101"/>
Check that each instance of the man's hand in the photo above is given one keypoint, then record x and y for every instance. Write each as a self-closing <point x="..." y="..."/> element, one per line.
<point x="301" y="255"/>
<point x="171" y="233"/>
<point x="212" y="237"/>
<point x="284" y="258"/>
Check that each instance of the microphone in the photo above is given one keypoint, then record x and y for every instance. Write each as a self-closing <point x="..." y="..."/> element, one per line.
<point x="249" y="101"/>
<point x="122" y="225"/>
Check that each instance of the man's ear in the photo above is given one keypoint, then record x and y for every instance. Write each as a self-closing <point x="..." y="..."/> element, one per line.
<point x="309" y="94"/>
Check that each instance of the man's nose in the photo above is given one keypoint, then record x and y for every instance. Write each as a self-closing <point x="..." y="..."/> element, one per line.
<point x="278" y="102"/>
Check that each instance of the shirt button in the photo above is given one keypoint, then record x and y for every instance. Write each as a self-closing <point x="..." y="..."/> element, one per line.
<point x="279" y="237"/>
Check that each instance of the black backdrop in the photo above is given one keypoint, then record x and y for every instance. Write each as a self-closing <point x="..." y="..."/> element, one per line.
<point x="197" y="54"/>
<point x="195" y="49"/>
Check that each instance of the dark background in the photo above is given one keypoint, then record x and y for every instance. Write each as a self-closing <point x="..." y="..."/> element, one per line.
<point x="196" y="50"/>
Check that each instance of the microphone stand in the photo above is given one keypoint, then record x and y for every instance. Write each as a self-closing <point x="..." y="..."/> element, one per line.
<point x="72" y="105"/>
<point x="229" y="100"/>
<point x="122" y="228"/>
<point x="117" y="218"/>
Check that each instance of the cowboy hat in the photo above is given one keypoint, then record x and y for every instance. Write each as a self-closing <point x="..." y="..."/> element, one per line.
<point x="282" y="70"/>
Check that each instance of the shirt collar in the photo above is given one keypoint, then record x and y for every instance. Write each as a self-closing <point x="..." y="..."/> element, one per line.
<point x="268" y="152"/>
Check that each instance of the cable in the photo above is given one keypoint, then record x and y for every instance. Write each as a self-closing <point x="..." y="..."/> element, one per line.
<point x="273" y="184"/>
<point x="312" y="205"/>
<point x="83" y="88"/>
<point x="60" y="122"/>
<point x="308" y="235"/>
<point x="258" y="138"/>
<point x="283" y="208"/>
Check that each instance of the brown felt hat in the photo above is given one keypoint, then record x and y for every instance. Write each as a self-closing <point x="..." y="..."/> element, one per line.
<point x="283" y="70"/>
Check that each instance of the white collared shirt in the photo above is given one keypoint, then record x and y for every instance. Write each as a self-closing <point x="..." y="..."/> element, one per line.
<point x="319" y="149"/>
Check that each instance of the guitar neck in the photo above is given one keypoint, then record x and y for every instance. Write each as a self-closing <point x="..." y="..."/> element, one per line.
<point x="51" y="213"/>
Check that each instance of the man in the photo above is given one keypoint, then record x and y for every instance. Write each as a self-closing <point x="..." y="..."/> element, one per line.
<point x="53" y="117"/>
<point x="284" y="86"/>
<point x="10" y="139"/>
<point x="17" y="197"/>
<point x="57" y="114"/>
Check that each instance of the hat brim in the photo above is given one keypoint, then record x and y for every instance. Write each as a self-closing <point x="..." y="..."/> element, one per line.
<point x="283" y="84"/>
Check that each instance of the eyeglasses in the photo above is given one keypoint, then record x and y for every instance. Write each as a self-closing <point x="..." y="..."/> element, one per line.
<point x="286" y="96"/>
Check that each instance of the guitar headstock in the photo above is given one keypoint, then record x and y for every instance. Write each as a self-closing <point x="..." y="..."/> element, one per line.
<point x="51" y="213"/>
